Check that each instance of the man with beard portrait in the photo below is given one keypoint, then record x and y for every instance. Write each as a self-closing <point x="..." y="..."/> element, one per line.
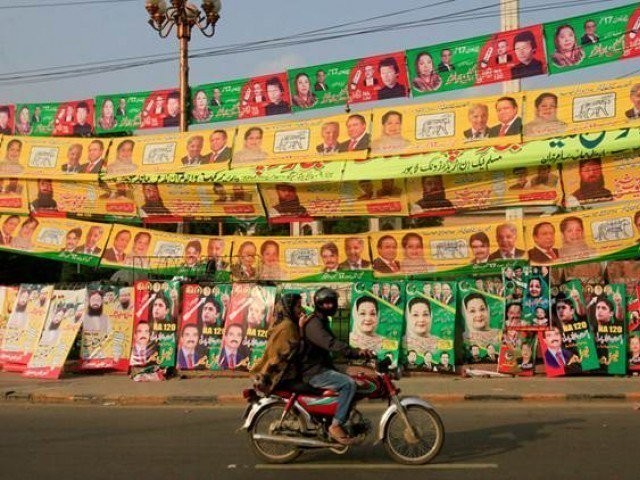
<point x="591" y="184"/>
<point x="94" y="320"/>
<point x="44" y="200"/>
<point x="124" y="300"/>
<point x="19" y="317"/>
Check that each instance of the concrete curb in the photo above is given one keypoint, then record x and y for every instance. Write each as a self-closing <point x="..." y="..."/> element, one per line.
<point x="223" y="400"/>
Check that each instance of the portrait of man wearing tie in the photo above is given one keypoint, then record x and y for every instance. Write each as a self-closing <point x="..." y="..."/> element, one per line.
<point x="330" y="133"/>
<point x="354" y="248"/>
<point x="388" y="252"/>
<point x="510" y="122"/>
<point x="116" y="254"/>
<point x="90" y="246"/>
<point x="8" y="227"/>
<point x="191" y="355"/>
<point x="234" y="354"/>
<point x="589" y="36"/>
<point x="445" y="64"/>
<point x="144" y="350"/>
<point x="95" y="157"/>
<point x="194" y="151"/>
<point x="359" y="139"/>
<point x="556" y="356"/>
<point x="544" y="236"/>
<point x="320" y="86"/>
<point x="478" y="117"/>
<point x="634" y="95"/>
<point x="506" y="236"/>
<point x="220" y="152"/>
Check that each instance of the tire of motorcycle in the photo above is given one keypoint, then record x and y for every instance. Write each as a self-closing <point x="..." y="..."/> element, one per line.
<point x="266" y="423"/>
<point x="429" y="432"/>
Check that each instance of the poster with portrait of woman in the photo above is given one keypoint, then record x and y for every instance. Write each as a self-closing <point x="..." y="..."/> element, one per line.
<point x="430" y="317"/>
<point x="216" y="102"/>
<point x="155" y="331"/>
<point x="482" y="314"/>
<point x="107" y="347"/>
<point x="606" y="312"/>
<point x="377" y="318"/>
<point x="378" y="78"/>
<point x="536" y="304"/>
<point x="264" y="96"/>
<point x="203" y="312"/>
<point x="38" y="119"/>
<point x="320" y="86"/>
<point x="518" y="352"/>
<point x="74" y="119"/>
<point x="61" y="326"/>
<point x="24" y="327"/>
<point x="126" y="112"/>
<point x="593" y="39"/>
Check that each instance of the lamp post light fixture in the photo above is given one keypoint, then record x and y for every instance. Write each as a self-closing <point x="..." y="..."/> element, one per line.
<point x="184" y="16"/>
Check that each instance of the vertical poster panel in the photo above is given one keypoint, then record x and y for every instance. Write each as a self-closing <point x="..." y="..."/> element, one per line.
<point x="430" y="318"/>
<point x="216" y="102"/>
<point x="477" y="61"/>
<point x="518" y="352"/>
<point x="320" y="86"/>
<point x="482" y="315"/>
<point x="378" y="78"/>
<point x="25" y="325"/>
<point x="74" y="119"/>
<point x="606" y="313"/>
<point x="592" y="39"/>
<point x="61" y="328"/>
<point x="204" y="308"/>
<point x="13" y="196"/>
<point x="7" y="119"/>
<point x="536" y="305"/>
<point x="7" y="300"/>
<point x="110" y="310"/>
<point x="161" y="108"/>
<point x="235" y="350"/>
<point x="156" y="323"/>
<point x="377" y="318"/>
<point x="265" y="96"/>
<point x="37" y="119"/>
<point x="633" y="329"/>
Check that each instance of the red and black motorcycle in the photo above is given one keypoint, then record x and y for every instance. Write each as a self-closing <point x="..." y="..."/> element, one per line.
<point x="296" y="417"/>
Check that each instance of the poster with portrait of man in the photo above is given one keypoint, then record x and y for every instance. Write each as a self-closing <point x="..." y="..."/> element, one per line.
<point x="155" y="329"/>
<point x="308" y="290"/>
<point x="264" y="96"/>
<point x="377" y="318"/>
<point x="13" y="196"/>
<point x="320" y="86"/>
<point x="518" y="352"/>
<point x="7" y="119"/>
<point x="160" y="108"/>
<point x="37" y="119"/>
<point x="477" y="61"/>
<point x="110" y="309"/>
<point x="74" y="119"/>
<point x="204" y="308"/>
<point x="482" y="315"/>
<point x="8" y="296"/>
<point x="593" y="39"/>
<point x="607" y="314"/>
<point x="63" y="321"/>
<point x="536" y="303"/>
<point x="633" y="331"/>
<point x="130" y="111"/>
<point x="378" y="78"/>
<point x="24" y="327"/>
<point x="216" y="102"/>
<point x="430" y="317"/>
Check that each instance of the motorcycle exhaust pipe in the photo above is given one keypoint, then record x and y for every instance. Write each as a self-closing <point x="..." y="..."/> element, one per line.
<point x="299" y="441"/>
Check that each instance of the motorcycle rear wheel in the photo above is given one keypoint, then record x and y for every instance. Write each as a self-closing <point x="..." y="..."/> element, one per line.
<point x="429" y="432"/>
<point x="266" y="422"/>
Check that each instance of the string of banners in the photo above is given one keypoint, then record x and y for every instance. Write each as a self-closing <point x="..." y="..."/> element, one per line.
<point x="555" y="47"/>
<point x="519" y="318"/>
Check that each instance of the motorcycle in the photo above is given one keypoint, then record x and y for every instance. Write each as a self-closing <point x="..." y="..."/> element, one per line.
<point x="296" y="417"/>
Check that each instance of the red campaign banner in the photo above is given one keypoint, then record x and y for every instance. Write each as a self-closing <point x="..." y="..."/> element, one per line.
<point x="7" y="116"/>
<point x="265" y="96"/>
<point x="74" y="119"/>
<point x="379" y="78"/>
<point x="633" y="314"/>
<point x="512" y="55"/>
<point x="632" y="36"/>
<point x="161" y="109"/>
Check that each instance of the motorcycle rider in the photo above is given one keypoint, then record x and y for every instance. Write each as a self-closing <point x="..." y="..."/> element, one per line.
<point x="317" y="367"/>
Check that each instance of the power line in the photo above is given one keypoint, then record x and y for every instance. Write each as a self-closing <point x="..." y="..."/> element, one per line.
<point x="62" y="4"/>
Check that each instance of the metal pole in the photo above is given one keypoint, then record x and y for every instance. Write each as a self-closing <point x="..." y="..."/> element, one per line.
<point x="184" y="35"/>
<point x="510" y="20"/>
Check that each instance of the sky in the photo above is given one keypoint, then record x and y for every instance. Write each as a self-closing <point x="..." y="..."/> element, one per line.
<point x="45" y="34"/>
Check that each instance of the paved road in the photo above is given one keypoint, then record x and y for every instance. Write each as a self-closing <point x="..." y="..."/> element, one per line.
<point x="484" y="440"/>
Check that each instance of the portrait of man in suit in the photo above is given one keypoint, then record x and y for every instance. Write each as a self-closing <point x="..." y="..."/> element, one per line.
<point x="194" y="151"/>
<point x="90" y="246"/>
<point x="502" y="57"/>
<point x="220" y="152"/>
<point x="82" y="128"/>
<point x="216" y="99"/>
<point x="191" y="355"/>
<point x="480" y="247"/>
<point x="445" y="64"/>
<point x="72" y="238"/>
<point x="524" y="46"/>
<point x="507" y="113"/>
<point x="544" y="236"/>
<point x="116" y="254"/>
<point x="389" y="71"/>
<point x="354" y="248"/>
<point x="233" y="354"/>
<point x="359" y="139"/>
<point x="95" y="157"/>
<point x="275" y="92"/>
<point x="330" y="132"/>
<point x="506" y="236"/>
<point x="143" y="350"/>
<point x="74" y="154"/>
<point x="320" y="85"/>
<point x="172" y="118"/>
<point x="556" y="356"/>
<point x="478" y="115"/>
<point x="215" y="252"/>
<point x="121" y="111"/>
<point x="387" y="262"/>
<point x="634" y="96"/>
<point x="329" y="255"/>
<point x="589" y="36"/>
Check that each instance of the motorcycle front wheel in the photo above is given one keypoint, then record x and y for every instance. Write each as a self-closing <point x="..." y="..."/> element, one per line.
<point x="403" y="446"/>
<point x="268" y="423"/>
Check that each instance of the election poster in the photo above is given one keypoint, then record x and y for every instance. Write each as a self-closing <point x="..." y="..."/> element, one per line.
<point x="25" y="325"/>
<point x="287" y="202"/>
<point x="378" y="78"/>
<point x="74" y="119"/>
<point x="477" y="61"/>
<point x="518" y="352"/>
<point x="320" y="86"/>
<point x="107" y="328"/>
<point x="481" y="315"/>
<point x="7" y="119"/>
<point x="514" y="288"/>
<point x="308" y="290"/>
<point x="156" y="308"/>
<point x="430" y="318"/>
<point x="606" y="312"/>
<point x="204" y="307"/>
<point x="161" y="108"/>
<point x="39" y="119"/>
<point x="63" y="321"/>
<point x="593" y="39"/>
<point x="8" y="296"/>
<point x="13" y="196"/>
<point x="215" y="102"/>
<point x="377" y="318"/>
<point x="633" y="330"/>
<point x="265" y="96"/>
<point x="536" y="305"/>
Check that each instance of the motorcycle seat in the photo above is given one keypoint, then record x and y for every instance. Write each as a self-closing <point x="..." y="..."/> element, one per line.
<point x="302" y="388"/>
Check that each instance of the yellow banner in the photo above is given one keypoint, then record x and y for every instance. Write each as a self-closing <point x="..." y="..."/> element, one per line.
<point x="197" y="200"/>
<point x="447" y="125"/>
<point x="332" y="138"/>
<point x="208" y="150"/>
<point x="13" y="196"/>
<point x="589" y="107"/>
<point x="294" y="258"/>
<point x="287" y="202"/>
<point x="601" y="180"/>
<point x="82" y="198"/>
<point x="443" y="195"/>
<point x="33" y="157"/>
<point x="441" y="249"/>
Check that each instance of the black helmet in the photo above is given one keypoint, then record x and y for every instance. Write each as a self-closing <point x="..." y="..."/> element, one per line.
<point x="326" y="301"/>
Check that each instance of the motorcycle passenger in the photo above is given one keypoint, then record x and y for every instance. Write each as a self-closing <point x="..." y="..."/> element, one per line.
<point x="317" y="367"/>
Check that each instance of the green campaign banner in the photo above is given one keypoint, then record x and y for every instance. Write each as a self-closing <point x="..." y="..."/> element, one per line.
<point x="36" y="119"/>
<point x="215" y="102"/>
<point x="430" y="318"/>
<point x="477" y="61"/>
<point x="593" y="39"/>
<point x="607" y="314"/>
<point x="320" y="86"/>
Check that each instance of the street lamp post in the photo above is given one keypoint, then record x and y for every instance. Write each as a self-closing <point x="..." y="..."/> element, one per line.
<point x="184" y="16"/>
